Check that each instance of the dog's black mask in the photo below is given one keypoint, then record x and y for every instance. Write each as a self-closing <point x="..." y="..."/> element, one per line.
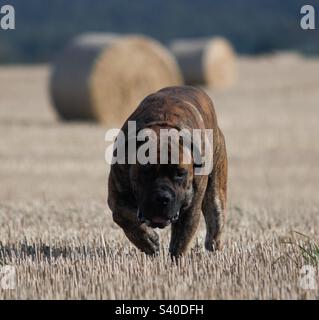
<point x="161" y="190"/>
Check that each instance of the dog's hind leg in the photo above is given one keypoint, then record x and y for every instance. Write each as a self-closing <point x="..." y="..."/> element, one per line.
<point x="214" y="202"/>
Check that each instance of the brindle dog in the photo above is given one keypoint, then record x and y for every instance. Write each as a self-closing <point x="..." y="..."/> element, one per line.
<point x="143" y="197"/>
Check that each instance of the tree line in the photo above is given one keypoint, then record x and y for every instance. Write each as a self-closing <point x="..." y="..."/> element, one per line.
<point x="43" y="27"/>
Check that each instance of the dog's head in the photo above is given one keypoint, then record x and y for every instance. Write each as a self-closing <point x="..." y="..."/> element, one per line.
<point x="162" y="190"/>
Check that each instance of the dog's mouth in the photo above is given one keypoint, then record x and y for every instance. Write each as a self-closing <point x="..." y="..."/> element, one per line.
<point x="157" y="222"/>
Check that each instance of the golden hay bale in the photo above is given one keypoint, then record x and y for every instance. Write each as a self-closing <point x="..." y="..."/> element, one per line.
<point x="104" y="76"/>
<point x="210" y="62"/>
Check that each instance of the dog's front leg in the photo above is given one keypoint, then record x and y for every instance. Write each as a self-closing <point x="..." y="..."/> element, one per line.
<point x="142" y="236"/>
<point x="183" y="231"/>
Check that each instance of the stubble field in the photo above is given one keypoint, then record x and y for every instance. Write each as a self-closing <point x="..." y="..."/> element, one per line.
<point x="56" y="229"/>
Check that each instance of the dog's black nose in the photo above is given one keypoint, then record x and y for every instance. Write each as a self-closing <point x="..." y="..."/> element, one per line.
<point x="164" y="199"/>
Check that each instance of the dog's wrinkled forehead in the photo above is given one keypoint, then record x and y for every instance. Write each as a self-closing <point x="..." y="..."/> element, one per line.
<point x="169" y="145"/>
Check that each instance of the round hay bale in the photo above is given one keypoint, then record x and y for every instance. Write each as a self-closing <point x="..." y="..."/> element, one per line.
<point x="210" y="62"/>
<point x="103" y="77"/>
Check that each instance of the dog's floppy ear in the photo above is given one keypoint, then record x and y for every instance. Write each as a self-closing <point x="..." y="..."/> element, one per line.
<point x="195" y="147"/>
<point x="203" y="153"/>
<point x="199" y="160"/>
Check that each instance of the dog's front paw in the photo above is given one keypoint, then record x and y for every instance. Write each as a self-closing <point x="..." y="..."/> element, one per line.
<point x="213" y="245"/>
<point x="146" y="239"/>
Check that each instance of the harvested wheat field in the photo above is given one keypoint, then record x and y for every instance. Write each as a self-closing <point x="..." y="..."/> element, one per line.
<point x="56" y="229"/>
